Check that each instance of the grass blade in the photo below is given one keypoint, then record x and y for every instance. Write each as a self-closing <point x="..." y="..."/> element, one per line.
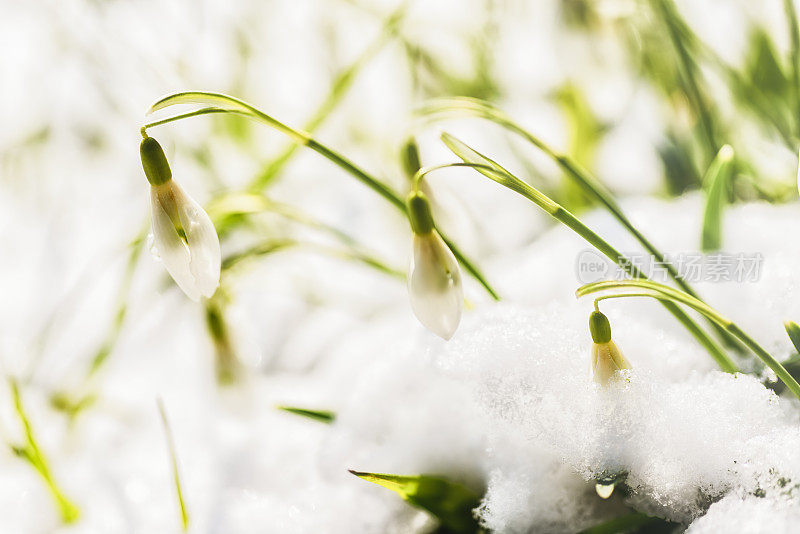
<point x="716" y="179"/>
<point x="323" y="416"/>
<point x="794" y="34"/>
<point x="174" y="460"/>
<point x="34" y="455"/>
<point x="450" y="502"/>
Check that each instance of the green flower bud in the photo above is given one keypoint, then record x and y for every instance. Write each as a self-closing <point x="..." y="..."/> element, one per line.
<point x="419" y="213"/>
<point x="599" y="327"/>
<point x="410" y="157"/>
<point x="154" y="162"/>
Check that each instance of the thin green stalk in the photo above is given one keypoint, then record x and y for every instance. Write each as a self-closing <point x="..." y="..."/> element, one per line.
<point x="794" y="34"/>
<point x="226" y="364"/>
<point x="495" y="172"/>
<point x="305" y="139"/>
<point x="174" y="460"/>
<point x="323" y="416"/>
<point x="196" y="113"/>
<point x="34" y="455"/>
<point x="582" y="177"/>
<point x="668" y="13"/>
<point x="662" y="292"/>
<point x="112" y="335"/>
<point x="341" y="84"/>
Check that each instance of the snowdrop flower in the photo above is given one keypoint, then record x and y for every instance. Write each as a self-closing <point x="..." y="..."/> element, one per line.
<point x="183" y="233"/>
<point x="606" y="357"/>
<point x="434" y="280"/>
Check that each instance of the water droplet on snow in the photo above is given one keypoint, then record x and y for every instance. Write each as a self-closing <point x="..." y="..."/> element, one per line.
<point x="604" y="490"/>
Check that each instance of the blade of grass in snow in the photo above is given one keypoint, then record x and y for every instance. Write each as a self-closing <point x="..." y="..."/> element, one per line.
<point x="174" y="461"/>
<point x="794" y="35"/>
<point x="239" y="106"/>
<point x="323" y="416"/>
<point x="648" y="288"/>
<point x="792" y="364"/>
<point x="225" y="360"/>
<point x="793" y="331"/>
<point x="716" y="180"/>
<point x="341" y="84"/>
<point x="585" y="132"/>
<point x="495" y="172"/>
<point x="34" y="455"/>
<point x="591" y="185"/>
<point x="451" y="503"/>
<point x="668" y="13"/>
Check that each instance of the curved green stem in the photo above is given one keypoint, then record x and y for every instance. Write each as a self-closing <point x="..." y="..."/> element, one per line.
<point x="495" y="172"/>
<point x="236" y="105"/>
<point x="581" y="176"/>
<point x="662" y="292"/>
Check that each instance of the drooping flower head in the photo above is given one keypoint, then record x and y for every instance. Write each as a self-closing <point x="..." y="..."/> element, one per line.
<point x="183" y="233"/>
<point x="607" y="359"/>
<point x="434" y="280"/>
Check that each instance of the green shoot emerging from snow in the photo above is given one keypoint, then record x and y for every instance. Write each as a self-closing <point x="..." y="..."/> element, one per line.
<point x="32" y="453"/>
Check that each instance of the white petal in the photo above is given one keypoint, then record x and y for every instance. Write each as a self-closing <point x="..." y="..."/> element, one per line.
<point x="204" y="260"/>
<point x="607" y="359"/>
<point x="171" y="248"/>
<point x="434" y="285"/>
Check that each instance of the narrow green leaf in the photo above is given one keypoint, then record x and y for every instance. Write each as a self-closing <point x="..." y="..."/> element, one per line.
<point x="204" y="98"/>
<point x="793" y="331"/>
<point x="716" y="179"/>
<point x="174" y="460"/>
<point x="502" y="176"/>
<point x="450" y="502"/>
<point x="323" y="416"/>
<point x="225" y="104"/>
<point x="794" y="35"/>
<point x="261" y="249"/>
<point x="34" y="455"/>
